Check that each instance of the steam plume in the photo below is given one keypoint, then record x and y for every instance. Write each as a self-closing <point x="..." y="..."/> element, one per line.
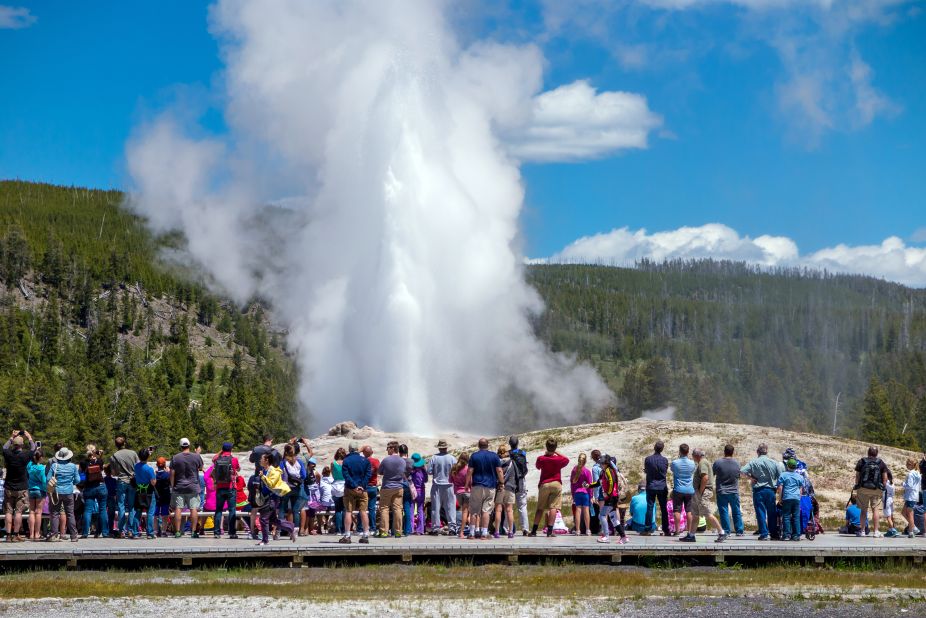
<point x="395" y="268"/>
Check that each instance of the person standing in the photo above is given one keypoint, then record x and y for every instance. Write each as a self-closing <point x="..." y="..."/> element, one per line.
<point x="550" y="494"/>
<point x="764" y="473"/>
<point x="703" y="498"/>
<point x="656" y="468"/>
<point x="504" y="495"/>
<point x="727" y="474"/>
<point x="94" y="493"/>
<point x="162" y="495"/>
<point x="266" y="446"/>
<point x="610" y="490"/>
<point x="294" y="474"/>
<point x="483" y="476"/>
<point x="580" y="480"/>
<point x="145" y="483"/>
<point x="66" y="477"/>
<point x="394" y="472"/>
<point x="185" y="467"/>
<point x="418" y="480"/>
<point x="683" y="469"/>
<point x="911" y="488"/>
<point x="267" y="500"/>
<point x="461" y="491"/>
<point x="790" y="484"/>
<point x="16" y="496"/>
<point x="225" y="472"/>
<point x="519" y="461"/>
<point x="122" y="464"/>
<point x="38" y="484"/>
<point x="870" y="480"/>
<point x="357" y="470"/>
<point x="442" y="496"/>
<point x="372" y="485"/>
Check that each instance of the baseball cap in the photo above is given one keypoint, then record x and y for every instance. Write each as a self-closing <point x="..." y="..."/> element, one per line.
<point x="184" y="442"/>
<point x="18" y="441"/>
<point x="227" y="446"/>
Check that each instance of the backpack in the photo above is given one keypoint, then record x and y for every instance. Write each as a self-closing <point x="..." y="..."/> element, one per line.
<point x="222" y="469"/>
<point x="51" y="486"/>
<point x="94" y="473"/>
<point x="870" y="477"/>
<point x="142" y="496"/>
<point x="520" y="463"/>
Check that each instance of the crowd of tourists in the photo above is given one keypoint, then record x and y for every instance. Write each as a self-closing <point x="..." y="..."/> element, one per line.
<point x="483" y="494"/>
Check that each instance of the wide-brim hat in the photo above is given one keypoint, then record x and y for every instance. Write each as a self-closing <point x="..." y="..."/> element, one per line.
<point x="417" y="460"/>
<point x="441" y="444"/>
<point x="64" y="454"/>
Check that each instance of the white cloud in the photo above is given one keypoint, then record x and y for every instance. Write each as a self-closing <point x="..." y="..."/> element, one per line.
<point x="892" y="259"/>
<point x="574" y="122"/>
<point x="15" y="17"/>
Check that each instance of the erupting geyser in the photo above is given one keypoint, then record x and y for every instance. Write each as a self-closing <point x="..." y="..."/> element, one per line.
<point x="396" y="268"/>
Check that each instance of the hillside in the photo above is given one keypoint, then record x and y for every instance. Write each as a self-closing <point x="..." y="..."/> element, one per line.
<point x="99" y="336"/>
<point x="729" y="342"/>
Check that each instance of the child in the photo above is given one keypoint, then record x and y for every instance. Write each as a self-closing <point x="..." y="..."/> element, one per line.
<point x="608" y="481"/>
<point x="853" y="518"/>
<point x="241" y="503"/>
<point x="889" y="506"/>
<point x="911" y="491"/>
<point x="254" y="497"/>
<point x="325" y="499"/>
<point x="268" y="504"/>
<point x="458" y="478"/>
<point x="162" y="496"/>
<point x="580" y="480"/>
<point x="419" y="478"/>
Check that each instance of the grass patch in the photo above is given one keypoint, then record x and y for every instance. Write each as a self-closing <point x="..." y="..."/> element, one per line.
<point x="466" y="581"/>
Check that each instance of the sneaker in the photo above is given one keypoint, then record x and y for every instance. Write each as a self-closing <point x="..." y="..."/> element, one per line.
<point x="740" y="534"/>
<point x="233" y="537"/>
<point x="623" y="540"/>
<point x="603" y="539"/>
<point x="720" y="538"/>
<point x="511" y="535"/>
<point x="73" y="539"/>
<point x="495" y="535"/>
<point x="398" y="535"/>
<point x="549" y="532"/>
<point x="858" y="534"/>
<point x="365" y="539"/>
<point x="524" y="533"/>
<point x="688" y="538"/>
<point x="479" y="535"/>
<point x="195" y="535"/>
<point x="763" y="537"/>
<point x="259" y="543"/>
<point x="382" y="534"/>
<point x="177" y="535"/>
<point x="646" y="533"/>
<point x="877" y="534"/>
<point x="344" y="540"/>
<point x="532" y="533"/>
<point x="150" y="537"/>
<point x="795" y="538"/>
<point x="292" y="536"/>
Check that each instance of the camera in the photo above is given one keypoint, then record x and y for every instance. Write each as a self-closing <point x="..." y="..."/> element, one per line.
<point x="150" y="449"/>
<point x="21" y="433"/>
<point x="38" y="444"/>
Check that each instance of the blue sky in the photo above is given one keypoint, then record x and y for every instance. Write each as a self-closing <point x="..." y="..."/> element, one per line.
<point x="804" y="120"/>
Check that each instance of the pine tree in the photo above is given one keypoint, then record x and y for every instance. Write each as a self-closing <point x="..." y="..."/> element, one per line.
<point x="878" y="424"/>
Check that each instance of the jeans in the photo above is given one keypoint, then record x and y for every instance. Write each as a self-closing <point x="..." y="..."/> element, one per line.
<point x="791" y="519"/>
<point x="339" y="514"/>
<point x="223" y="497"/>
<point x="652" y="496"/>
<point x="442" y="496"/>
<point x="149" y="519"/>
<point x="293" y="501"/>
<point x="764" y="500"/>
<point x="125" y="508"/>
<point x="725" y="503"/>
<point x="372" y="496"/>
<point x="408" y="511"/>
<point x="95" y="500"/>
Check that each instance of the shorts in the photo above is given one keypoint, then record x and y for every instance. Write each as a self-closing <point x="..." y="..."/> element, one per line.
<point x="680" y="500"/>
<point x="36" y="494"/>
<point x="889" y="507"/>
<point x="356" y="502"/>
<point x="550" y="496"/>
<point x="162" y="510"/>
<point x="869" y="498"/>
<point x="581" y="499"/>
<point x="910" y="504"/>
<point x="185" y="501"/>
<point x="504" y="496"/>
<point x="16" y="501"/>
<point x="482" y="499"/>
<point x="701" y="504"/>
<point x="463" y="499"/>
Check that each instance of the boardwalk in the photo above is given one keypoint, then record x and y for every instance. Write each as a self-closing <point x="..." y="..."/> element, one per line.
<point x="325" y="549"/>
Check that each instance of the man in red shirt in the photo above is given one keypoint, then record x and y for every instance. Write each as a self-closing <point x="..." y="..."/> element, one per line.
<point x="225" y="469"/>
<point x="550" y="494"/>
<point x="372" y="489"/>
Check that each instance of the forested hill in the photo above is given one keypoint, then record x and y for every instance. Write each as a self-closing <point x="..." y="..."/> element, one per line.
<point x="728" y="342"/>
<point x="98" y="336"/>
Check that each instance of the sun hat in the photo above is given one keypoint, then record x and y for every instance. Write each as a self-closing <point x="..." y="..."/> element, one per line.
<point x="184" y="442"/>
<point x="418" y="460"/>
<point x="64" y="454"/>
<point x="442" y="444"/>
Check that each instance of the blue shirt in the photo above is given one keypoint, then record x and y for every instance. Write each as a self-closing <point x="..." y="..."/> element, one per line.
<point x="854" y="515"/>
<point x="483" y="463"/>
<point x="144" y="473"/>
<point x="682" y="475"/>
<point x="67" y="476"/>
<point x="791" y="484"/>
<point x="638" y="510"/>
<point x="357" y="471"/>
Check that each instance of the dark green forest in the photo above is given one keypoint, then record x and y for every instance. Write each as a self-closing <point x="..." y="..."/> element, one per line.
<point x="730" y="342"/>
<point x="90" y="353"/>
<point x="98" y="337"/>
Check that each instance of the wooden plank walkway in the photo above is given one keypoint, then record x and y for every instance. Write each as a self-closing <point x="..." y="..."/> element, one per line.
<point x="312" y="550"/>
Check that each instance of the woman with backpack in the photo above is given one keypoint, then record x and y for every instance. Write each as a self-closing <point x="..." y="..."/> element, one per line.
<point x="63" y="481"/>
<point x="610" y="490"/>
<point x="35" y="470"/>
<point x="94" y="492"/>
<point x="580" y="480"/>
<point x="294" y="474"/>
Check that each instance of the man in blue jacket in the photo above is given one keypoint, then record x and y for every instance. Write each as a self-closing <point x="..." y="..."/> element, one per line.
<point x="357" y="472"/>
